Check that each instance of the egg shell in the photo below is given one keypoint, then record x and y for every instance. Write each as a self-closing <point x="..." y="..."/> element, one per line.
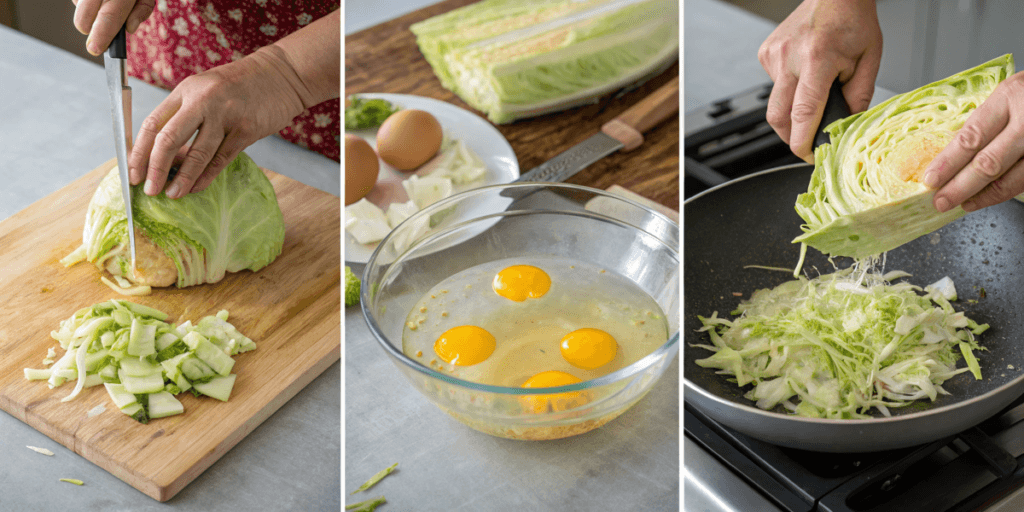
<point x="408" y="139"/>
<point x="361" y="168"/>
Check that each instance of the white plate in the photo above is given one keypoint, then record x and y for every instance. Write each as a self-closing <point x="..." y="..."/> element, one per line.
<point x="458" y="124"/>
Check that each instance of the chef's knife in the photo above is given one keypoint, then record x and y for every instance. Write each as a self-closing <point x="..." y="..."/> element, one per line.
<point x="624" y="133"/>
<point x="115" y="61"/>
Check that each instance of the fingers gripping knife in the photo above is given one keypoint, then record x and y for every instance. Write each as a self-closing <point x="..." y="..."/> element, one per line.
<point x="115" y="61"/>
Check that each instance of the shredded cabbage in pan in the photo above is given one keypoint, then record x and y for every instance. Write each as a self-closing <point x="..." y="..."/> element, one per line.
<point x="840" y="344"/>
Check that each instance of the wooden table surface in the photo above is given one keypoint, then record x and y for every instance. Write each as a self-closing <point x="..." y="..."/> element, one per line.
<point x="385" y="58"/>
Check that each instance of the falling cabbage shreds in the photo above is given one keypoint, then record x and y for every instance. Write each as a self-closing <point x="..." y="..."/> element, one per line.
<point x="841" y="344"/>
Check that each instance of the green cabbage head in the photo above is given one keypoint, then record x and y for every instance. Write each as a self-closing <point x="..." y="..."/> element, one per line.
<point x="234" y="224"/>
<point x="866" y="194"/>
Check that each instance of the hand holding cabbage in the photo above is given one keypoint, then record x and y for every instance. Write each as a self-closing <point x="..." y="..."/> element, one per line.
<point x="984" y="164"/>
<point x="867" y="195"/>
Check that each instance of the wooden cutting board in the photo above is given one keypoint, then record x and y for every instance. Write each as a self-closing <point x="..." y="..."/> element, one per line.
<point x="291" y="309"/>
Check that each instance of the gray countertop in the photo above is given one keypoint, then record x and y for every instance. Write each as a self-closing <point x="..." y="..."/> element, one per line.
<point x="56" y="127"/>
<point x="720" y="43"/>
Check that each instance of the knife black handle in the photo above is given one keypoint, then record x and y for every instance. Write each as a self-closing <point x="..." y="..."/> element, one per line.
<point x="119" y="46"/>
<point x="835" y="109"/>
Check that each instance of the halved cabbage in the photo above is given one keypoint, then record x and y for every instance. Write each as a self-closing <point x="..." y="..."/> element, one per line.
<point x="234" y="224"/>
<point x="514" y="58"/>
<point x="866" y="194"/>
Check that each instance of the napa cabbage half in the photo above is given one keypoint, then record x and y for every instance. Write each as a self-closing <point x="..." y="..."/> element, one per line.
<point x="234" y="224"/>
<point x="866" y="195"/>
<point x="519" y="58"/>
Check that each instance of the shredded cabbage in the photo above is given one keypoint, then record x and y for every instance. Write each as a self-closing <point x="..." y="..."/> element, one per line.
<point x="841" y="344"/>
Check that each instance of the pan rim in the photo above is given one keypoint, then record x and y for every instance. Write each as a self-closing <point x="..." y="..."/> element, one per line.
<point x="690" y="386"/>
<point x="744" y="178"/>
<point x="914" y="416"/>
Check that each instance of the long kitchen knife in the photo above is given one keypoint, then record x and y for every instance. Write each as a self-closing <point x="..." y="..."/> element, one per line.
<point x="624" y="133"/>
<point x="115" y="61"/>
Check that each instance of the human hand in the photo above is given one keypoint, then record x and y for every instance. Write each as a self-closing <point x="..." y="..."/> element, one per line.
<point x="102" y="19"/>
<point x="227" y="108"/>
<point x="984" y="163"/>
<point x="818" y="41"/>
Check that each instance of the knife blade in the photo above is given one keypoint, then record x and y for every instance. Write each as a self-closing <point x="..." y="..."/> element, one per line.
<point x="624" y="133"/>
<point x="115" y="61"/>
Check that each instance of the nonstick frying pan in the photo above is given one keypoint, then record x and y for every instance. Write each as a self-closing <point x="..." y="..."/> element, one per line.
<point x="752" y="221"/>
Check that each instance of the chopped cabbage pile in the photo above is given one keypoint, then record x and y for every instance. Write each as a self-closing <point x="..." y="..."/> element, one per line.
<point x="842" y="344"/>
<point x="142" y="360"/>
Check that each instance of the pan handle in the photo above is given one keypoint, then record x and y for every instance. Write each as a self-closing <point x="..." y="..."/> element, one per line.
<point x="835" y="109"/>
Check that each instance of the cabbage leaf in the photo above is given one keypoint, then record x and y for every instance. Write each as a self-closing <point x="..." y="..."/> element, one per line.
<point x="866" y="194"/>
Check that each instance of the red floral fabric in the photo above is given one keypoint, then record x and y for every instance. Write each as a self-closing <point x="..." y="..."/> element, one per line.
<point x="185" y="37"/>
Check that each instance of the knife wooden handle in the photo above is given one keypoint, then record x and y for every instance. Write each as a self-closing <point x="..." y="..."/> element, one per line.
<point x="628" y="128"/>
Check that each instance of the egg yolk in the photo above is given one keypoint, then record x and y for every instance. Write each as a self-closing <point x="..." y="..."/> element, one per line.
<point x="540" y="404"/>
<point x="521" y="282"/>
<point x="588" y="348"/>
<point x="465" y="345"/>
<point x="550" y="379"/>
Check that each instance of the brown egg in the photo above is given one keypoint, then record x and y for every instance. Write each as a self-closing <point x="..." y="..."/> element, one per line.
<point x="408" y="139"/>
<point x="361" y="168"/>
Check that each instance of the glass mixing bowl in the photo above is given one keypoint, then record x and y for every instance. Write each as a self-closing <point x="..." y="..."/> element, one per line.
<point x="525" y="219"/>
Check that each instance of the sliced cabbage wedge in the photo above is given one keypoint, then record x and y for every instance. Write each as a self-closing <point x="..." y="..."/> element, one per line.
<point x="232" y="225"/>
<point x="514" y="58"/>
<point x="866" y="195"/>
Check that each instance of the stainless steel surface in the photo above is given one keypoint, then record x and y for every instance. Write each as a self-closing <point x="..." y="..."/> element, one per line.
<point x="55" y="129"/>
<point x="121" y="112"/>
<point x="709" y="486"/>
<point x="573" y="160"/>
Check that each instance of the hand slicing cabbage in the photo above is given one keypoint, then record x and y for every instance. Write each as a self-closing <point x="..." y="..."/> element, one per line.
<point x="842" y="344"/>
<point x="515" y="58"/>
<point x="866" y="194"/>
<point x="234" y="224"/>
